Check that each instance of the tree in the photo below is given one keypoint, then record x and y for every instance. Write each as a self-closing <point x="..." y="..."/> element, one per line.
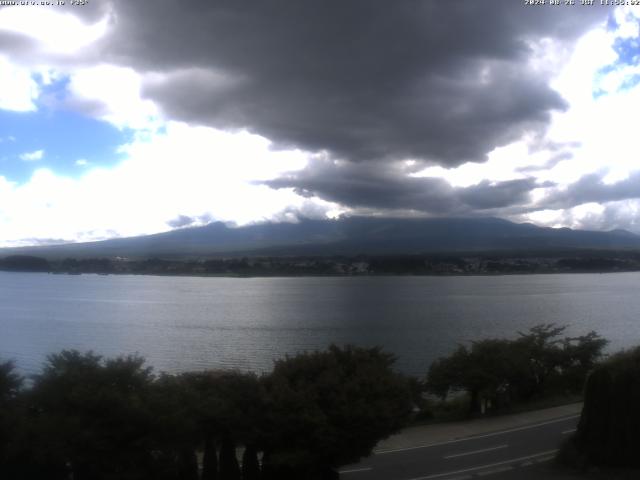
<point x="209" y="459"/>
<point x="176" y="431"/>
<point x="250" y="464"/>
<point x="229" y="467"/>
<point x="580" y="355"/>
<point x="540" y="347"/>
<point x="446" y="374"/>
<point x="24" y="263"/>
<point x="92" y="415"/>
<point x="485" y="372"/>
<point x="496" y="372"/>
<point x="228" y="407"/>
<point x="609" y="426"/>
<point x="330" y="408"/>
<point x="10" y="383"/>
<point x="10" y="418"/>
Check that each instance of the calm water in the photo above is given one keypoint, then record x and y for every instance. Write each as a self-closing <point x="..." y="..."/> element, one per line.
<point x="181" y="323"/>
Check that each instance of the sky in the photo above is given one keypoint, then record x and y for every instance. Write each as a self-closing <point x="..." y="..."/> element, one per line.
<point x="122" y="118"/>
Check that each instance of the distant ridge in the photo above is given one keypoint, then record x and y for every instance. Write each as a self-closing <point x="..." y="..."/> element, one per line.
<point x="344" y="236"/>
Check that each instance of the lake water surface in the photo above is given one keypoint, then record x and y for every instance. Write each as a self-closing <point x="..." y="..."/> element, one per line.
<point x="187" y="323"/>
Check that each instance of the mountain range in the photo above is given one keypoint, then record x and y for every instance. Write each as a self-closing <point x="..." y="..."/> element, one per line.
<point x="343" y="236"/>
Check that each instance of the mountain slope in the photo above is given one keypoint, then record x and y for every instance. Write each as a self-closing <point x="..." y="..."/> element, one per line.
<point x="347" y="236"/>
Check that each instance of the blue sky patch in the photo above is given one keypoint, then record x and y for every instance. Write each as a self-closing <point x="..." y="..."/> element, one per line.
<point x="65" y="138"/>
<point x="628" y="50"/>
<point x="630" y="82"/>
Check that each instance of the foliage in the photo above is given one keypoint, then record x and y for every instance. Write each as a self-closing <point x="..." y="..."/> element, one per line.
<point x="24" y="263"/>
<point x="330" y="408"/>
<point x="86" y="417"/>
<point x="609" y="426"/>
<point x="91" y="416"/>
<point x="497" y="372"/>
<point x="229" y="467"/>
<point x="250" y="463"/>
<point x="10" y="384"/>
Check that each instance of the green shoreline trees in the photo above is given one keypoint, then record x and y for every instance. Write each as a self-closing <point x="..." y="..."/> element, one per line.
<point x="496" y="373"/>
<point x="93" y="418"/>
<point x="87" y="417"/>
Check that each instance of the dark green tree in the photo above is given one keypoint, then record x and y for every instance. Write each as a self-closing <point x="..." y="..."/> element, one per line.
<point x="496" y="372"/>
<point x="187" y="465"/>
<point x="209" y="459"/>
<point x="609" y="426"/>
<point x="10" y="383"/>
<point x="330" y="408"/>
<point x="11" y="420"/>
<point x="228" y="408"/>
<point x="541" y="346"/>
<point x="485" y="372"/>
<point x="229" y="467"/>
<point x="447" y="374"/>
<point x="24" y="263"/>
<point x="91" y="415"/>
<point x="176" y="430"/>
<point x="250" y="464"/>
<point x="580" y="355"/>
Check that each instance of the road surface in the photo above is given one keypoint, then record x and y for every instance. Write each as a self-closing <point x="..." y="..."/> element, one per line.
<point x="502" y="454"/>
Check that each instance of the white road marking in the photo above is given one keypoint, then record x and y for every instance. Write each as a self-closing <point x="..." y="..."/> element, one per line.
<point x="355" y="470"/>
<point x="466" y="439"/>
<point x="493" y="471"/>
<point x="567" y="432"/>
<point x="476" y="451"/>
<point x="545" y="459"/>
<point x="488" y="466"/>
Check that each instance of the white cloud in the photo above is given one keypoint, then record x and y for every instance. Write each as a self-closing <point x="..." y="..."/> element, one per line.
<point x="601" y="124"/>
<point x="81" y="162"/>
<point x="55" y="31"/>
<point x="32" y="156"/>
<point x="113" y="94"/>
<point x="503" y="164"/>
<point x="192" y="171"/>
<point x="596" y="134"/>
<point x="19" y="89"/>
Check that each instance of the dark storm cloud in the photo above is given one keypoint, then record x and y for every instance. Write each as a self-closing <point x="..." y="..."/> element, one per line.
<point x="388" y="187"/>
<point x="369" y="82"/>
<point x="41" y="241"/>
<point x="592" y="188"/>
<point x="614" y="216"/>
<point x="181" y="221"/>
<point x="488" y="195"/>
<point x="369" y="186"/>
<point x="190" y="221"/>
<point x="441" y="81"/>
<point x="16" y="44"/>
<point x="549" y="164"/>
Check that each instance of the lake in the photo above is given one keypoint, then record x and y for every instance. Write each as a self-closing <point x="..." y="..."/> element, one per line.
<point x="190" y="323"/>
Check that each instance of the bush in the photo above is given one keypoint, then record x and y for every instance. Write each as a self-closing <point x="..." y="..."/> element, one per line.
<point x="609" y="429"/>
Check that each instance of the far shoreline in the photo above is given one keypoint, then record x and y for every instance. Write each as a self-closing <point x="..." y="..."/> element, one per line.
<point x="368" y="275"/>
<point x="431" y="265"/>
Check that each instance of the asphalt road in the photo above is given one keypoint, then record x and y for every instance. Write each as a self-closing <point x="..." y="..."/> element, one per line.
<point x="504" y="455"/>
